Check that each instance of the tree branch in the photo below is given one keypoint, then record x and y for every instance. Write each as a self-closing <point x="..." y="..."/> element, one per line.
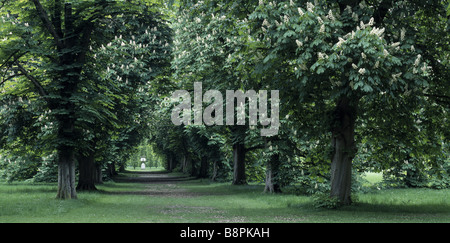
<point x="439" y="98"/>
<point x="47" y="23"/>
<point x="254" y="148"/>
<point x="3" y="4"/>
<point x="32" y="79"/>
<point x="7" y="59"/>
<point x="10" y="77"/>
<point x="56" y="18"/>
<point x="87" y="32"/>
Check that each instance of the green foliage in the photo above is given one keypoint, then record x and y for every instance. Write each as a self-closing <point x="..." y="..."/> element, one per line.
<point x="322" y="200"/>
<point x="107" y="92"/>
<point x="89" y="93"/>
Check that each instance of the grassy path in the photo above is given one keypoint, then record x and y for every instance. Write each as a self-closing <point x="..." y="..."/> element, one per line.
<point x="160" y="197"/>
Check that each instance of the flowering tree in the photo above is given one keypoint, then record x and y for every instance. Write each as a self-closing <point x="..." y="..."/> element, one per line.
<point x="48" y="63"/>
<point x="346" y="55"/>
<point x="346" y="70"/>
<point x="211" y="47"/>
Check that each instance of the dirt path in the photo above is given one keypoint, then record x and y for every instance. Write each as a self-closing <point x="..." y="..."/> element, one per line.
<point x="150" y="177"/>
<point x="156" y="184"/>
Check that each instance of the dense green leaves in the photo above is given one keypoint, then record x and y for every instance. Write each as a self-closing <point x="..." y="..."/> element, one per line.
<point x="99" y="83"/>
<point x="83" y="89"/>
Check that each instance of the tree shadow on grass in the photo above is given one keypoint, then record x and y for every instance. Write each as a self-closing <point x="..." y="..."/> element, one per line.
<point x="438" y="208"/>
<point x="28" y="188"/>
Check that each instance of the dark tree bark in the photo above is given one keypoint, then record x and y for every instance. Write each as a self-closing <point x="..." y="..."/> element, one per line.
<point x="170" y="162"/>
<point x="344" y="149"/>
<point x="111" y="169"/>
<point x="88" y="174"/>
<point x="271" y="171"/>
<point x="194" y="171"/>
<point x="239" y="177"/>
<point x="215" y="170"/>
<point x="66" y="175"/>
<point x="184" y="163"/>
<point x="122" y="167"/>
<point x="203" y="168"/>
<point x="98" y="174"/>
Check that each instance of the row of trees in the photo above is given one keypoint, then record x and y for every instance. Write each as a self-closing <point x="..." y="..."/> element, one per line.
<point x="76" y="83"/>
<point x="363" y="85"/>
<point x="144" y="151"/>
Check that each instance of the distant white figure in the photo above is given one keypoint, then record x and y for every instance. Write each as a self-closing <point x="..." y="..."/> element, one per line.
<point x="143" y="163"/>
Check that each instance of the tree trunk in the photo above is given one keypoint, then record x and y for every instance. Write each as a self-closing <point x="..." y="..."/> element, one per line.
<point x="271" y="171"/>
<point x="122" y="167"/>
<point x="111" y="169"/>
<point x="98" y="174"/>
<point x="239" y="177"/>
<point x="66" y="175"/>
<point x="170" y="163"/>
<point x="203" y="168"/>
<point x="189" y="165"/>
<point x="343" y="142"/>
<point x="183" y="163"/>
<point x="215" y="170"/>
<point x="87" y="172"/>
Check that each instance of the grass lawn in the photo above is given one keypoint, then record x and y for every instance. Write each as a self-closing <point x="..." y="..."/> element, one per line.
<point x="202" y="201"/>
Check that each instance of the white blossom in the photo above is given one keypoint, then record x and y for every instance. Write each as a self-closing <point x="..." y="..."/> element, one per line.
<point x="362" y="4"/>
<point x="310" y="7"/>
<point x="330" y="15"/>
<point x="362" y="71"/>
<point x="354" y="66"/>
<point x="322" y="28"/>
<point x="340" y="42"/>
<point x="300" y="12"/>
<point x="321" y="55"/>
<point x="377" y="31"/>
<point x="320" y="20"/>
<point x="348" y="9"/>
<point x="424" y="67"/>
<point x="299" y="43"/>
<point x="395" y="76"/>
<point x="371" y="21"/>
<point x="393" y="45"/>
<point x="416" y="63"/>
<point x="363" y="26"/>
<point x="402" y="34"/>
